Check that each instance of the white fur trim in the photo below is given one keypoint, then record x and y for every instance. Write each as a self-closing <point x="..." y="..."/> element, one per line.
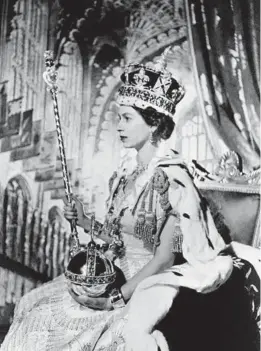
<point x="161" y="341"/>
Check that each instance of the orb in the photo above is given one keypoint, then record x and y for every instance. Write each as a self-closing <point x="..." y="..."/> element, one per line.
<point x="90" y="272"/>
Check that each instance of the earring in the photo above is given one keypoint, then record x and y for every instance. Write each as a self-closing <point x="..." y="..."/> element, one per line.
<point x="153" y="139"/>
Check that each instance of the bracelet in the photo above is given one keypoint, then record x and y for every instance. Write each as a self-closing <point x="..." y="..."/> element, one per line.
<point x="96" y="233"/>
<point x="97" y="227"/>
<point x="116" y="299"/>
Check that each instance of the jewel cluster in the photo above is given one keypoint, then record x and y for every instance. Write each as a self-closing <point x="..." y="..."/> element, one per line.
<point x="146" y="96"/>
<point x="82" y="279"/>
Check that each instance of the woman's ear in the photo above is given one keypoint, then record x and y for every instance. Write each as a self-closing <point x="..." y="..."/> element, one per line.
<point x="153" y="137"/>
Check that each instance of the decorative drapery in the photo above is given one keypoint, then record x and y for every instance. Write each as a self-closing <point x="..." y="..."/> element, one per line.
<point x="224" y="39"/>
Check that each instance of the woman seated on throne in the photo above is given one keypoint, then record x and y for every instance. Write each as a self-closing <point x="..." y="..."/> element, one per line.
<point x="169" y="253"/>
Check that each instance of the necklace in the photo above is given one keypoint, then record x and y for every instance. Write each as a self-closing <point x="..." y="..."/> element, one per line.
<point x="140" y="168"/>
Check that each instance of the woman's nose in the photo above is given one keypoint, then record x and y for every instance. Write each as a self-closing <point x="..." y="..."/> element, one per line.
<point x="119" y="127"/>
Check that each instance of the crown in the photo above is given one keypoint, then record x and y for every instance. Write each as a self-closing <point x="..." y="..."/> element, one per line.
<point x="90" y="271"/>
<point x="150" y="85"/>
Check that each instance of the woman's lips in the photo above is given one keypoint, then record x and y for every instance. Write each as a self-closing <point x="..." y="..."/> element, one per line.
<point x="123" y="138"/>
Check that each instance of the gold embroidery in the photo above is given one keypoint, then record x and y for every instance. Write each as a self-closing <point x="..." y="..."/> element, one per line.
<point x="145" y="227"/>
<point x="177" y="239"/>
<point x="111" y="180"/>
<point x="161" y="185"/>
<point x="177" y="235"/>
<point x="139" y="224"/>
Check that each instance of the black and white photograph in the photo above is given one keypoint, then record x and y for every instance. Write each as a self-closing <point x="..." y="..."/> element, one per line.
<point x="130" y="175"/>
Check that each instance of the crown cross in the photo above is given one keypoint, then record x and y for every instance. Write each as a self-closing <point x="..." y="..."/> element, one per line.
<point x="141" y="78"/>
<point x="162" y="85"/>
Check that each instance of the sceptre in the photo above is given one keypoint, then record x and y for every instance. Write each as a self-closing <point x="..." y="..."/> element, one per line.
<point x="50" y="77"/>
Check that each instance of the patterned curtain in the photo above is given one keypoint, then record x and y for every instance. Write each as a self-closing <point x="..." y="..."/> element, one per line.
<point x="225" y="40"/>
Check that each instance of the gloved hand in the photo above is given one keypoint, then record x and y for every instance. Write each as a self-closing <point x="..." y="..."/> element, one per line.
<point x="74" y="211"/>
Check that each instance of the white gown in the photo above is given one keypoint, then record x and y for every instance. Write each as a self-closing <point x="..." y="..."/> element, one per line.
<point x="48" y="319"/>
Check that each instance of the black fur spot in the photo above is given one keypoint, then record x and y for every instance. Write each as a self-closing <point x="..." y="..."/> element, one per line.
<point x="179" y="182"/>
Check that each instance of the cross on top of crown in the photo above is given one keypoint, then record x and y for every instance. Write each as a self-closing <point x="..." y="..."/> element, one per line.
<point x="141" y="78"/>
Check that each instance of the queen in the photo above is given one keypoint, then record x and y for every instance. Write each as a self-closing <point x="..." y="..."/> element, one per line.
<point x="161" y="239"/>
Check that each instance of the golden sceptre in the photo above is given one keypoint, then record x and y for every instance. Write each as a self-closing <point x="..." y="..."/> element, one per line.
<point x="50" y="77"/>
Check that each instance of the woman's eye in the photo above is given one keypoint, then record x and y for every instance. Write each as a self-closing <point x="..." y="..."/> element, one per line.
<point x="127" y="118"/>
<point x="124" y="117"/>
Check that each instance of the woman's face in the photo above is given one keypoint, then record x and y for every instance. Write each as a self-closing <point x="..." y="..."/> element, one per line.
<point x="133" y="130"/>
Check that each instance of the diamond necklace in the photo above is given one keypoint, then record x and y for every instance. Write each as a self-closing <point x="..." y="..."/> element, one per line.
<point x="130" y="179"/>
<point x="140" y="168"/>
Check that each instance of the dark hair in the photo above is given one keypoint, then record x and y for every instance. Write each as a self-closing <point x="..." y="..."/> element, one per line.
<point x="165" y="124"/>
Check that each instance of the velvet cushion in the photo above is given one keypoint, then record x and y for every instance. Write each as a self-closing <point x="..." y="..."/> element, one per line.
<point x="235" y="213"/>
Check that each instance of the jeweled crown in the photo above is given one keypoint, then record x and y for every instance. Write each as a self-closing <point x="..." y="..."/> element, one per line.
<point x="150" y="85"/>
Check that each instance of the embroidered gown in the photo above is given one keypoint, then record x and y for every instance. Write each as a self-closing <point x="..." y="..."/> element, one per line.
<point x="47" y="318"/>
